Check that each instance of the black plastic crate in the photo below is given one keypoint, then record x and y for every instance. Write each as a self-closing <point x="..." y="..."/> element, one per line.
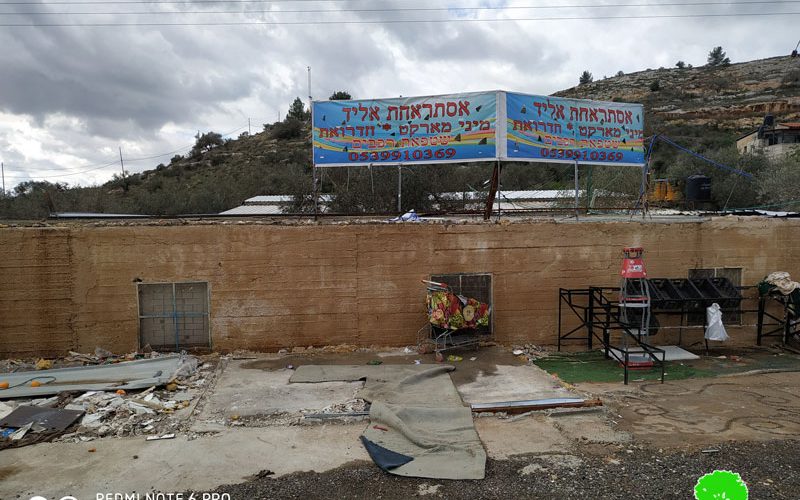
<point x="669" y="298"/>
<point x="730" y="296"/>
<point x="633" y="288"/>
<point x="657" y="297"/>
<point x="692" y="298"/>
<point x="708" y="290"/>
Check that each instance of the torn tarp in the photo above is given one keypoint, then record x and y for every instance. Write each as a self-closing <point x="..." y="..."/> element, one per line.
<point x="127" y="375"/>
<point x="384" y="458"/>
<point x="416" y="412"/>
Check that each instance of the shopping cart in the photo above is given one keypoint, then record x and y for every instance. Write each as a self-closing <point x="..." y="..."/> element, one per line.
<point x="454" y="321"/>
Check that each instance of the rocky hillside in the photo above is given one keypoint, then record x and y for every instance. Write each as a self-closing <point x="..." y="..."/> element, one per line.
<point x="734" y="97"/>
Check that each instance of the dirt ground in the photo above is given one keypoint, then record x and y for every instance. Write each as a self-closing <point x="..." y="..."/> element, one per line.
<point x="768" y="468"/>
<point x="678" y="432"/>
<point x="249" y="437"/>
<point x="710" y="410"/>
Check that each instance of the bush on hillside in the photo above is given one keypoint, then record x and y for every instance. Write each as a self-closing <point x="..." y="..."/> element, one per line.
<point x="290" y="128"/>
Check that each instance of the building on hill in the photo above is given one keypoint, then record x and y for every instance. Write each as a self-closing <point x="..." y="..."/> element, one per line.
<point x="775" y="140"/>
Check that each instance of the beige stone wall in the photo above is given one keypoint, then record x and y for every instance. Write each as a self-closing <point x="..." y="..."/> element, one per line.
<point x="274" y="286"/>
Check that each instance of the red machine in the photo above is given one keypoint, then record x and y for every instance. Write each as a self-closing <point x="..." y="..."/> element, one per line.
<point x="632" y="263"/>
<point x="634" y="302"/>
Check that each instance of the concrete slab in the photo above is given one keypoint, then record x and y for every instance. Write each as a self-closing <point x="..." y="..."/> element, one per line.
<point x="248" y="392"/>
<point x="511" y="383"/>
<point x="503" y="438"/>
<point x="53" y="470"/>
<point x="590" y="428"/>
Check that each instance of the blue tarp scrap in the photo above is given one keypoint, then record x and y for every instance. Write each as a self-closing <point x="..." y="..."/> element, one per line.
<point x="385" y="458"/>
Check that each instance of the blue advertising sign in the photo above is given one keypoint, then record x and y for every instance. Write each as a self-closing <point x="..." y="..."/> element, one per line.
<point x="552" y="129"/>
<point x="431" y="129"/>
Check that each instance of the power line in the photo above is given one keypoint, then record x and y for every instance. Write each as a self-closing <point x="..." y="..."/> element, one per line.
<point x="175" y="2"/>
<point x="403" y="9"/>
<point x="113" y="163"/>
<point x="402" y="21"/>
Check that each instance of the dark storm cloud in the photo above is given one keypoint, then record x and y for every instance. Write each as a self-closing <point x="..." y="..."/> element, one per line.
<point x="115" y="75"/>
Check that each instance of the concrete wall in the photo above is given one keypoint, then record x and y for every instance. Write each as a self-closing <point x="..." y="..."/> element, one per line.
<point x="274" y="286"/>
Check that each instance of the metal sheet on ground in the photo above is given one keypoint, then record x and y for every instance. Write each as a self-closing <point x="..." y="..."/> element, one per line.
<point x="127" y="375"/>
<point x="52" y="419"/>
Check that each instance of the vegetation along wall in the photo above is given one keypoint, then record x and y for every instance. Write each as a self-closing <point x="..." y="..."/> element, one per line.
<point x="271" y="286"/>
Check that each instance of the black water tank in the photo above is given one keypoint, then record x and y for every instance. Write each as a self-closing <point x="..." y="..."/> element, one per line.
<point x="769" y="121"/>
<point x="698" y="188"/>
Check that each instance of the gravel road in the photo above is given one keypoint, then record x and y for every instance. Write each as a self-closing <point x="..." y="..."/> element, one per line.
<point x="770" y="469"/>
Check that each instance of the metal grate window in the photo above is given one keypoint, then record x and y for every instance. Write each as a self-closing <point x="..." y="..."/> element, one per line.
<point x="475" y="286"/>
<point x="174" y="315"/>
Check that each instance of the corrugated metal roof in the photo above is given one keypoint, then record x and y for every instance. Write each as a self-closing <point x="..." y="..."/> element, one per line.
<point x="254" y="210"/>
<point x="540" y="194"/>
<point x="94" y="215"/>
<point x="763" y="213"/>
<point x="269" y="198"/>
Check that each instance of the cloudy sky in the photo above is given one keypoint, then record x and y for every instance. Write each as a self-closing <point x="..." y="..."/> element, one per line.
<point x="93" y="76"/>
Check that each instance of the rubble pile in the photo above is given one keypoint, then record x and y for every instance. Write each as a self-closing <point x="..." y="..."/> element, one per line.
<point x="154" y="411"/>
<point x="99" y="357"/>
<point x="530" y="352"/>
<point x="349" y="406"/>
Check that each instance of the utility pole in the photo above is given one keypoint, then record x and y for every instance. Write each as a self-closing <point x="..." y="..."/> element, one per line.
<point x="248" y="125"/>
<point x="309" y="88"/>
<point x="121" y="165"/>
<point x="3" y="169"/>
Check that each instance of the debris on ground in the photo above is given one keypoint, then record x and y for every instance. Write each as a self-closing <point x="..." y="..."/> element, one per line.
<point x="354" y="405"/>
<point x="529" y="352"/>
<point x="158" y="438"/>
<point x="100" y="356"/>
<point x="44" y="364"/>
<point x="525" y="406"/>
<point x="158" y="411"/>
<point x="128" y="375"/>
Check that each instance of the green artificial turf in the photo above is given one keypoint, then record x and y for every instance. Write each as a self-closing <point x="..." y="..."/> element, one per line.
<point x="593" y="367"/>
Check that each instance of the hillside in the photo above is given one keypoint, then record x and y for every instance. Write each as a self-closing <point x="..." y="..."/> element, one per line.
<point x="704" y="108"/>
<point x="199" y="183"/>
<point x="734" y="97"/>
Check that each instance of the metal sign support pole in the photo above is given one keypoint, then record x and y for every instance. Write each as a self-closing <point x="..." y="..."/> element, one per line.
<point x="315" y="189"/>
<point x="487" y="212"/>
<point x="577" y="202"/>
<point x="400" y="188"/>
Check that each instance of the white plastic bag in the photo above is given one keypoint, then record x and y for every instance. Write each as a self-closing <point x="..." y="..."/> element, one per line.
<point x="715" y="329"/>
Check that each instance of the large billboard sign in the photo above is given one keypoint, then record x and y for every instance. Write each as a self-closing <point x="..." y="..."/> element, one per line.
<point x="540" y="128"/>
<point x="432" y="129"/>
<point x="480" y="126"/>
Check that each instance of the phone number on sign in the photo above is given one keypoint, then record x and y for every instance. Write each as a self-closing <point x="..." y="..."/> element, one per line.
<point x="581" y="155"/>
<point x="417" y="154"/>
